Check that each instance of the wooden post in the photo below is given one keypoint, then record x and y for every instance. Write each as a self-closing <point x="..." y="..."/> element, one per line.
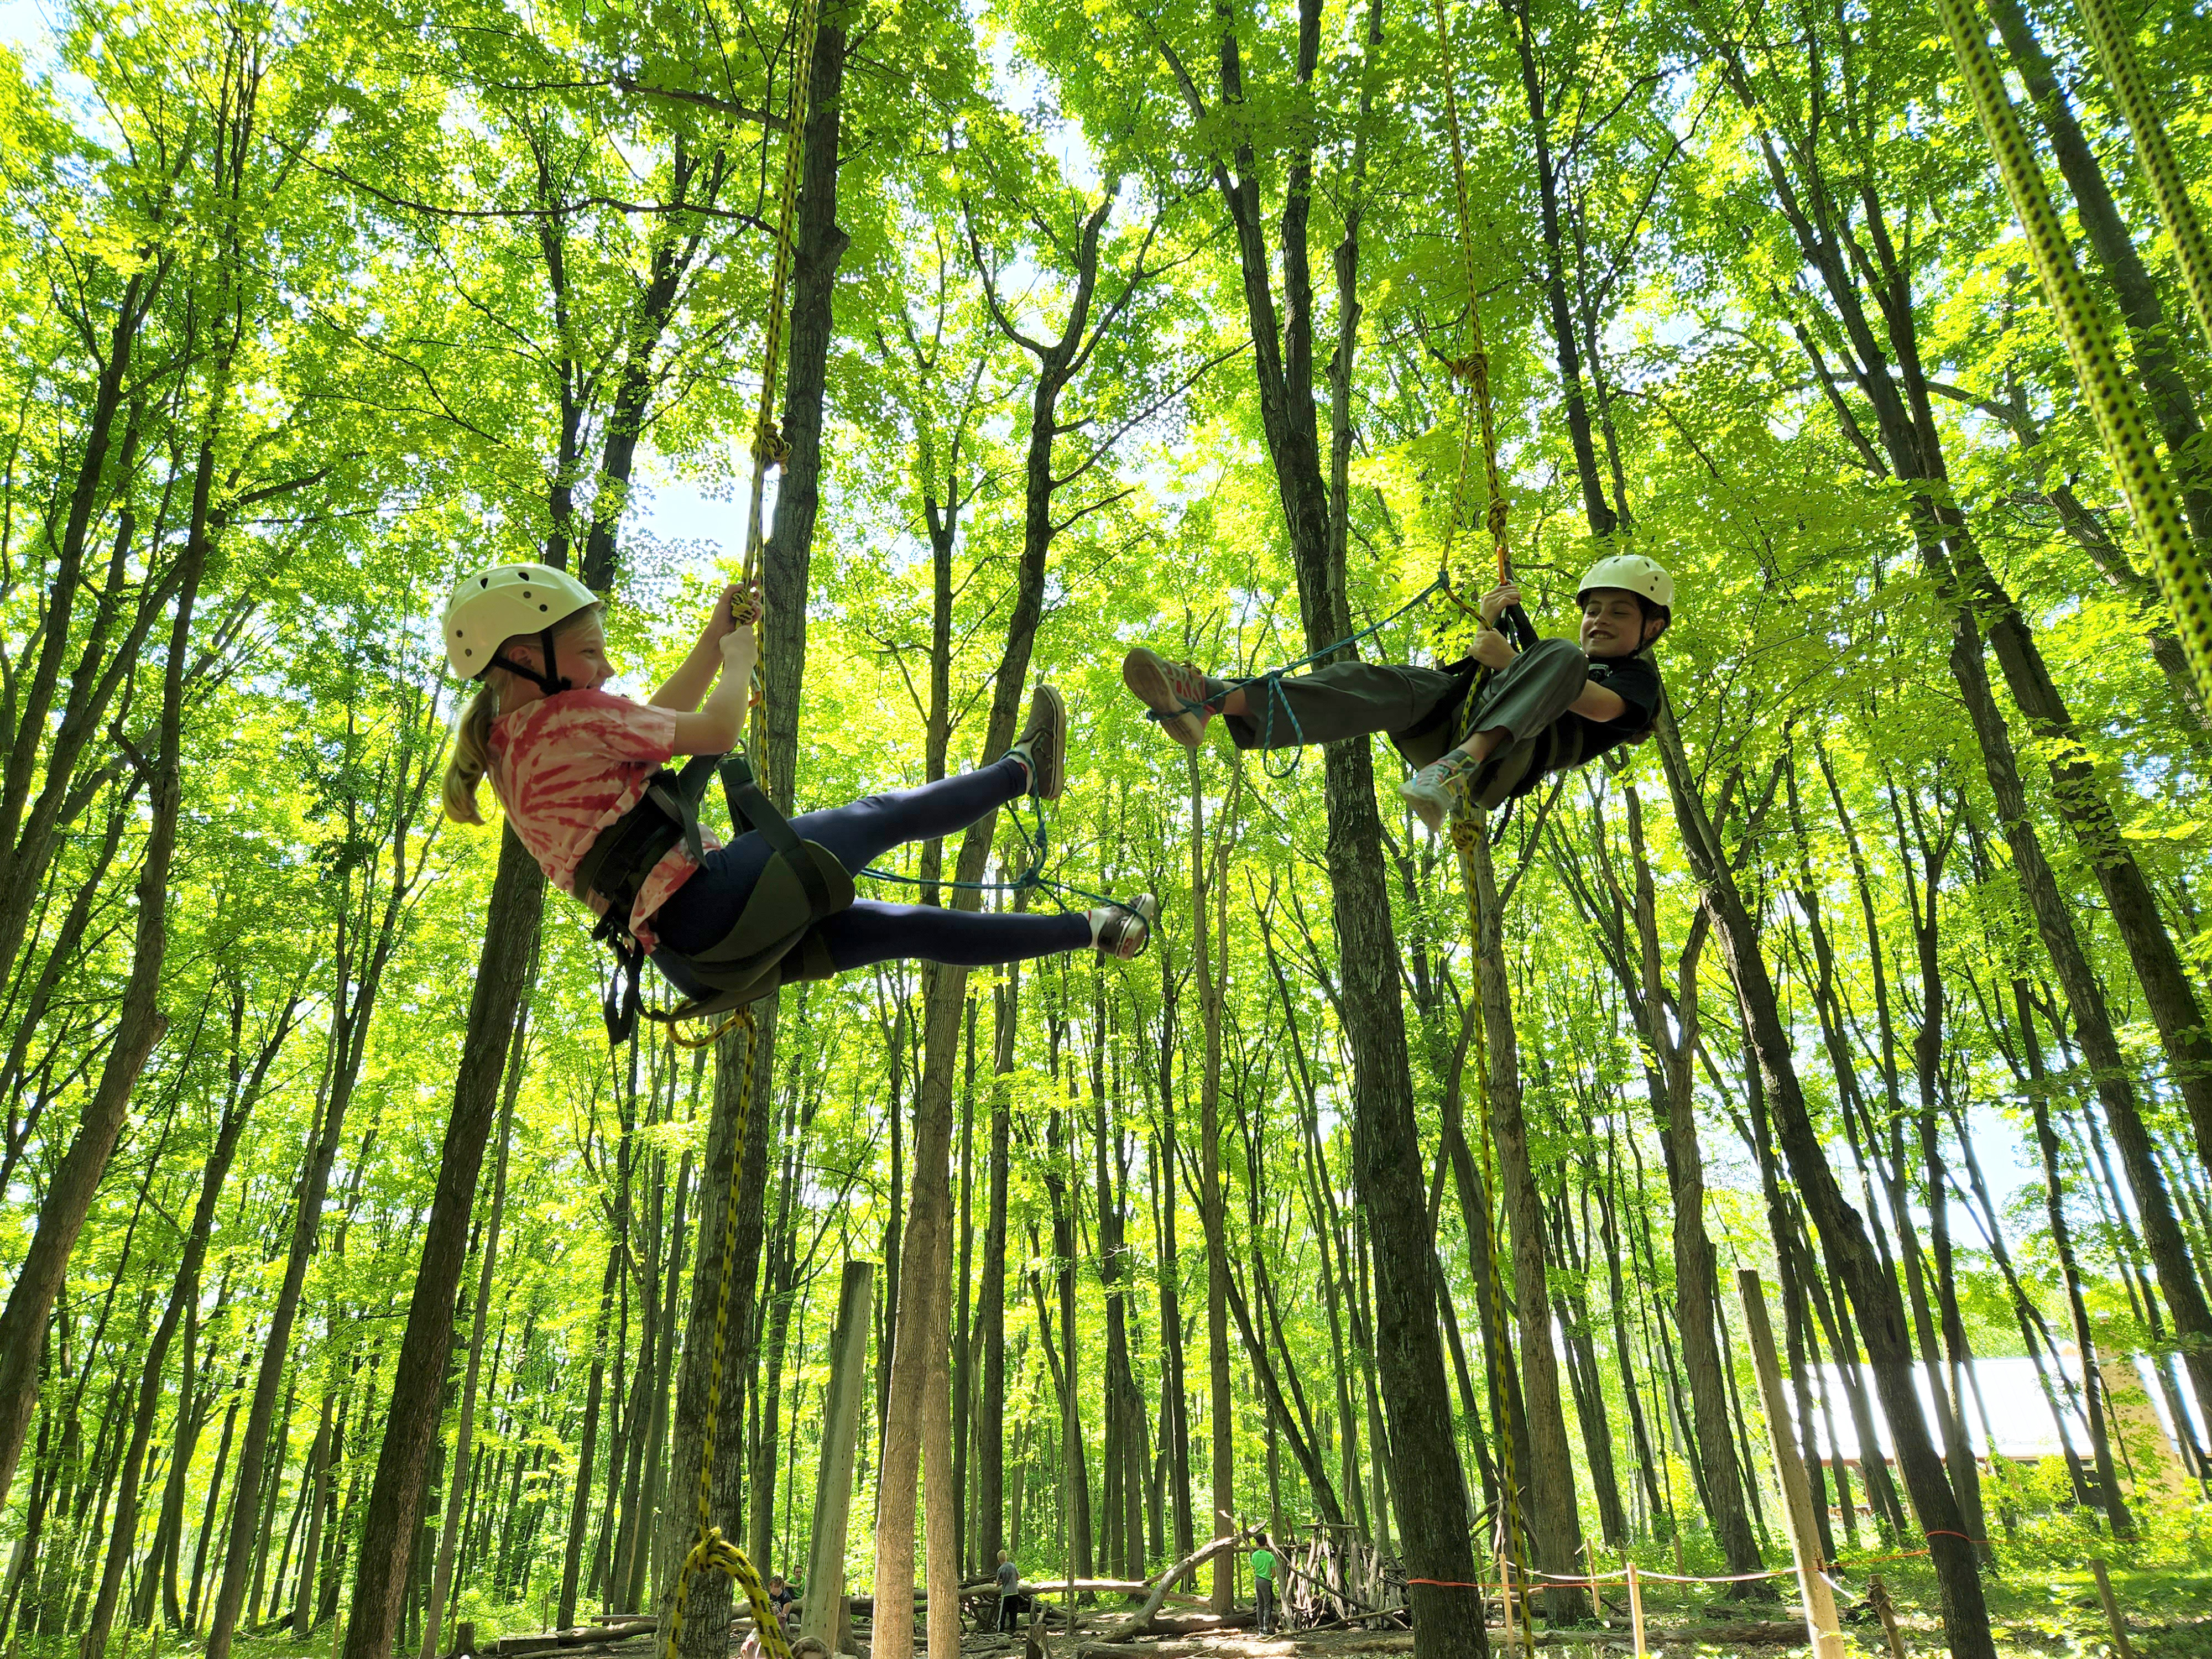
<point x="823" y="1609"/>
<point x="1820" y="1620"/>
<point x="1636" y="1608"/>
<point x="1506" y="1595"/>
<point x="2120" y="1642"/>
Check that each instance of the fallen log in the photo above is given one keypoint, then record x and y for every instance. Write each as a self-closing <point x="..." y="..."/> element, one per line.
<point x="1147" y="1620"/>
<point x="580" y="1636"/>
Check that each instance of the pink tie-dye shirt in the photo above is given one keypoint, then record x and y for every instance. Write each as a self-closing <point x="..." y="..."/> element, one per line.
<point x="566" y="767"/>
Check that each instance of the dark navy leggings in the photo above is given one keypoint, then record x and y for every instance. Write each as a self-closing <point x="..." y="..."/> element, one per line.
<point x="706" y="906"/>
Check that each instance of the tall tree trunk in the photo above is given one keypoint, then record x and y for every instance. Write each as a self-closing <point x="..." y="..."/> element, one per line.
<point x="184" y="1293"/>
<point x="1843" y="1231"/>
<point x="1213" y="1214"/>
<point x="411" y="1423"/>
<point x="67" y="1200"/>
<point x="786" y="579"/>
<point x="1548" y="1482"/>
<point x="442" y="1575"/>
<point x="990" y="1302"/>
<point x="1697" y="1279"/>
<point x="1431" y="1496"/>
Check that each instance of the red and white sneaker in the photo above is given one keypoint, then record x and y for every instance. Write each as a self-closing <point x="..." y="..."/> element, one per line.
<point x="1174" y="692"/>
<point x="1123" y="931"/>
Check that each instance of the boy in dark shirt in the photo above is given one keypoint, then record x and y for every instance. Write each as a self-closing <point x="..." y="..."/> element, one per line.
<point x="1556" y="706"/>
<point x="781" y="1596"/>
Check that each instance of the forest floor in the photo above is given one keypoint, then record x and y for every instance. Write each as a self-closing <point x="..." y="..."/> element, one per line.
<point x="2050" y="1612"/>
<point x="2053" y="1611"/>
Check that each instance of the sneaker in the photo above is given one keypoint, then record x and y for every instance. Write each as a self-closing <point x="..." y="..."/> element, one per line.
<point x="1043" y="746"/>
<point x="1174" y="692"/>
<point x="1123" y="931"/>
<point x="1439" y="789"/>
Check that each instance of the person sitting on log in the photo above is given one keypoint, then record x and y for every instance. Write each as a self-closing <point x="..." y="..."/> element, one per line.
<point x="1558" y="705"/>
<point x="575" y="765"/>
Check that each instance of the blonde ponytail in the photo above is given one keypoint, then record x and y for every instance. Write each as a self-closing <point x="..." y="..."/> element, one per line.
<point x="472" y="756"/>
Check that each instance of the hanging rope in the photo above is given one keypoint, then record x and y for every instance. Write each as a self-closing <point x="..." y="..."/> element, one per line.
<point x="710" y="1551"/>
<point x="769" y="446"/>
<point x="1475" y="368"/>
<point x="1465" y="832"/>
<point x="2104" y="385"/>
<point x="2109" y="32"/>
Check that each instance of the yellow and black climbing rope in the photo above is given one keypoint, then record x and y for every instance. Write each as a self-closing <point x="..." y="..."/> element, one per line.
<point x="769" y="446"/>
<point x="2174" y="558"/>
<point x="710" y="1551"/>
<point x="1475" y="368"/>
<point x="1478" y="417"/>
<point x="2131" y="93"/>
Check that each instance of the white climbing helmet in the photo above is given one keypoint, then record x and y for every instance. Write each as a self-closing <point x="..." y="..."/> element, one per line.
<point x="1633" y="571"/>
<point x="491" y="606"/>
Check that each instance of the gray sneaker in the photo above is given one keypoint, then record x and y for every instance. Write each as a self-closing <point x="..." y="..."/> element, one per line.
<point x="1043" y="745"/>
<point x="1438" y="790"/>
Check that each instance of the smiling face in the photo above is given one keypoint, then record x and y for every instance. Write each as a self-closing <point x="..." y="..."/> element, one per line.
<point x="1614" y="625"/>
<point x="580" y="650"/>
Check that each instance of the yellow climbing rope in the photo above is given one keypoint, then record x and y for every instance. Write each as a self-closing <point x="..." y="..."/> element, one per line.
<point x="1475" y="368"/>
<point x="1465" y="829"/>
<point x="2104" y="385"/>
<point x="710" y="1551"/>
<point x="2132" y="94"/>
<point x="1477" y="414"/>
<point x="769" y="446"/>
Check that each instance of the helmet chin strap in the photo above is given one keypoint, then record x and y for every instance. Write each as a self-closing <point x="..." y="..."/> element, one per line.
<point x="552" y="684"/>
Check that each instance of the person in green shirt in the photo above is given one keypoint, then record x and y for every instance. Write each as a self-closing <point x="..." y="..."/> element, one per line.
<point x="1263" y="1583"/>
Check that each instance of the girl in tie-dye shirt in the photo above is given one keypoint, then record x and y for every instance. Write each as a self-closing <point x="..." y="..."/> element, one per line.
<point x="566" y="759"/>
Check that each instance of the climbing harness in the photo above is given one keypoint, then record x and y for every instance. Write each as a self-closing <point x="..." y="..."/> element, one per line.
<point x="773" y="940"/>
<point x="710" y="1551"/>
<point x="2175" y="557"/>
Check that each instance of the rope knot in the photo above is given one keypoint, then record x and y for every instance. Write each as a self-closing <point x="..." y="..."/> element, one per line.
<point x="1475" y="368"/>
<point x="715" y="1553"/>
<point x="769" y="444"/>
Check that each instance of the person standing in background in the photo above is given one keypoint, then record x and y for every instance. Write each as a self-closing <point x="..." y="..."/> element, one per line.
<point x="1263" y="1583"/>
<point x="1010" y="1591"/>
